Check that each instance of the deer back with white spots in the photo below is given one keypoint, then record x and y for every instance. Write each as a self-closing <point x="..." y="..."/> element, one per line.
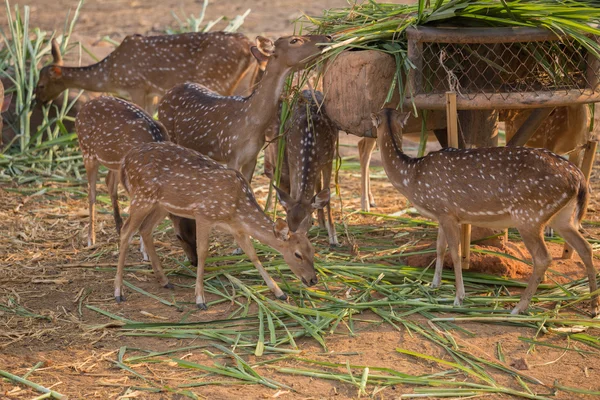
<point x="497" y="187"/>
<point x="231" y="129"/>
<point x="108" y="128"/>
<point x="164" y="178"/>
<point x="310" y="148"/>
<point x="143" y="67"/>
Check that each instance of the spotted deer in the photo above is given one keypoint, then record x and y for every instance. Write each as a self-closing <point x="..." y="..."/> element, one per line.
<point x="496" y="187"/>
<point x="231" y="129"/>
<point x="310" y="144"/>
<point x="107" y="128"/>
<point x="166" y="178"/>
<point x="143" y="67"/>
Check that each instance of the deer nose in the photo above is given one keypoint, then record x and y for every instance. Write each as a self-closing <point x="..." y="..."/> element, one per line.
<point x="313" y="281"/>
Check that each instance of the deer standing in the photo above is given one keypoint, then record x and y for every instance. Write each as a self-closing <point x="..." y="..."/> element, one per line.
<point x="231" y="129"/>
<point x="496" y="187"/>
<point x="143" y="67"/>
<point x="107" y="128"/>
<point x="310" y="144"/>
<point x="166" y="178"/>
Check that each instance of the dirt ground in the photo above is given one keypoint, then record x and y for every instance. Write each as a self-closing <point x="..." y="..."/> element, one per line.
<point x="46" y="266"/>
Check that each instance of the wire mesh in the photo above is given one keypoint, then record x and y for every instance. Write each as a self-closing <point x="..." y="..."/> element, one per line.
<point x="509" y="70"/>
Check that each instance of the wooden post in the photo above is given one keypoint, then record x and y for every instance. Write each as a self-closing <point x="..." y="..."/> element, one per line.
<point x="453" y="141"/>
<point x="586" y="167"/>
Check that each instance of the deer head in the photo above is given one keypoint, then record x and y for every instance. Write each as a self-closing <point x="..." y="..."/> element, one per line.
<point x="294" y="52"/>
<point x="396" y="122"/>
<point x="299" y="212"/>
<point x="297" y="252"/>
<point x="51" y="83"/>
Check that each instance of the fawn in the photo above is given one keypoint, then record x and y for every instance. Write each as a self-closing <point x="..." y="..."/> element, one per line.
<point x="107" y="128"/>
<point x="496" y="187"/>
<point x="310" y="145"/>
<point x="143" y="67"/>
<point x="166" y="178"/>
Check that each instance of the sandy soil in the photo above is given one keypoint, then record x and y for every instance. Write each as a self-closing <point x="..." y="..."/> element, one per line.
<point x="43" y="237"/>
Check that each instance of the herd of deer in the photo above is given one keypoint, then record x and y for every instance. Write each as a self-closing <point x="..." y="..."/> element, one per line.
<point x="174" y="166"/>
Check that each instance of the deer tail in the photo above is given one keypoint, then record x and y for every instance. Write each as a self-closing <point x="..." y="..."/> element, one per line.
<point x="583" y="197"/>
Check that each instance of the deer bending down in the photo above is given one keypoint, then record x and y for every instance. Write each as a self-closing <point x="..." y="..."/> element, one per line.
<point x="143" y="67"/>
<point x="309" y="152"/>
<point x="497" y="187"/>
<point x="231" y="129"/>
<point x="166" y="178"/>
<point x="107" y="128"/>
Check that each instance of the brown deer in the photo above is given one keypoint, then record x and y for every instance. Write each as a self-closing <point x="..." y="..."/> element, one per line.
<point x="107" y="128"/>
<point x="310" y="145"/>
<point x="166" y="178"/>
<point x="496" y="187"/>
<point x="231" y="129"/>
<point x="143" y="67"/>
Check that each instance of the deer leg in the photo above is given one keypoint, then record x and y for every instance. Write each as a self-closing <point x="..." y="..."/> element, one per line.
<point x="571" y="235"/>
<point x="135" y="220"/>
<point x="365" y="150"/>
<point x="244" y="242"/>
<point x="452" y="234"/>
<point x="333" y="240"/>
<point x="91" y="168"/>
<point x="576" y="158"/>
<point x="534" y="241"/>
<point x="146" y="229"/>
<point x="320" y="212"/>
<point x="202" y="237"/>
<point x="248" y="170"/>
<point x="112" y="183"/>
<point x="439" y="262"/>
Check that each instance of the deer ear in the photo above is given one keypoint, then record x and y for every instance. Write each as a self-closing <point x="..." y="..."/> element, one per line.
<point x="321" y="199"/>
<point x="57" y="58"/>
<point x="260" y="57"/>
<point x="284" y="198"/>
<point x="403" y="119"/>
<point x="281" y="229"/>
<point x="265" y="45"/>
<point x="6" y="102"/>
<point x="375" y="120"/>
<point x="55" y="72"/>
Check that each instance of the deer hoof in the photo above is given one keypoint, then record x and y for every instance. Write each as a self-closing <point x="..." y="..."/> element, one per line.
<point x="202" y="306"/>
<point x="119" y="298"/>
<point x="282" y="297"/>
<point x="169" y="285"/>
<point x="372" y="204"/>
<point x="458" y="302"/>
<point x="237" y="252"/>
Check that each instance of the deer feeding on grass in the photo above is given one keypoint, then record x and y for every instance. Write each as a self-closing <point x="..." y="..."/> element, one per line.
<point x="496" y="187"/>
<point x="310" y="146"/>
<point x="144" y="67"/>
<point x="164" y="178"/>
<point x="107" y="128"/>
<point x="231" y="129"/>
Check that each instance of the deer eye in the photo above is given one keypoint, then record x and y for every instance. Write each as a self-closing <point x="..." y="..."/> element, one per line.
<point x="298" y="255"/>
<point x="294" y="41"/>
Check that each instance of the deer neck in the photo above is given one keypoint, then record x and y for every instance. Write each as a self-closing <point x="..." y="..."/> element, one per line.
<point x="263" y="102"/>
<point x="93" y="77"/>
<point x="254" y="222"/>
<point x="398" y="166"/>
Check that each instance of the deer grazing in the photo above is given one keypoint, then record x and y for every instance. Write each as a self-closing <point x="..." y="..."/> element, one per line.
<point x="497" y="187"/>
<point x="143" y="67"/>
<point x="231" y="129"/>
<point x="310" y="144"/>
<point x="107" y="128"/>
<point x="166" y="178"/>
